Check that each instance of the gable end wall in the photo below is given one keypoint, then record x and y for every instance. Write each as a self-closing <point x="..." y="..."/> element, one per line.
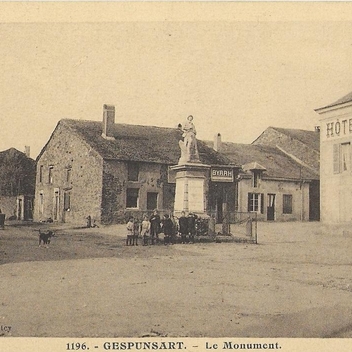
<point x="66" y="150"/>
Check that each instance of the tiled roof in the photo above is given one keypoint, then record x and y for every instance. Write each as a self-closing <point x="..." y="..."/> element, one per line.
<point x="139" y="143"/>
<point x="345" y="99"/>
<point x="13" y="155"/>
<point x="17" y="173"/>
<point x="253" y="166"/>
<point x="276" y="163"/>
<point x="309" y="138"/>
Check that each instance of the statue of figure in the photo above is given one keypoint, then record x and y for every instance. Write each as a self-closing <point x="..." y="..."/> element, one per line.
<point x="189" y="149"/>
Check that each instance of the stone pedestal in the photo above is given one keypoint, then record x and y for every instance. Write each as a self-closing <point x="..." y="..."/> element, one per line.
<point x="191" y="188"/>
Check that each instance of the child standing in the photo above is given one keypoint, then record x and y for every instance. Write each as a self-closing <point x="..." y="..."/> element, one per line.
<point x="136" y="230"/>
<point x="183" y="227"/>
<point x="155" y="226"/>
<point x="192" y="226"/>
<point x="145" y="228"/>
<point x="167" y="228"/>
<point x="130" y="231"/>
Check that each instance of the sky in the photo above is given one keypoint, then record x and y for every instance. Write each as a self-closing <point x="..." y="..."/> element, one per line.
<point x="235" y="77"/>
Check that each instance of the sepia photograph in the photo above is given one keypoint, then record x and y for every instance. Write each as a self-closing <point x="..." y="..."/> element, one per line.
<point x="175" y="176"/>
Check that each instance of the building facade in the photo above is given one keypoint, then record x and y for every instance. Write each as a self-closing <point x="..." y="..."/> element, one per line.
<point x="108" y="171"/>
<point x="302" y="146"/>
<point x="17" y="184"/>
<point x="336" y="165"/>
<point x="274" y="183"/>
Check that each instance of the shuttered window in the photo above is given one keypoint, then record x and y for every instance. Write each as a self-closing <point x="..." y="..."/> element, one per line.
<point x="341" y="158"/>
<point x="67" y="201"/>
<point x="336" y="158"/>
<point x="345" y="157"/>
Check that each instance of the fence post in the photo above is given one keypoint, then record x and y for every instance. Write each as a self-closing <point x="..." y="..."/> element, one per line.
<point x="226" y="224"/>
<point x="211" y="225"/>
<point x="249" y="227"/>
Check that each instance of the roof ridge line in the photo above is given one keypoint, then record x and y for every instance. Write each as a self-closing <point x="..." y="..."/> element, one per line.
<point x="119" y="123"/>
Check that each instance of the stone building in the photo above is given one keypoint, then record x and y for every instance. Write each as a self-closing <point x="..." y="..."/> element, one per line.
<point x="17" y="183"/>
<point x="275" y="182"/>
<point x="303" y="147"/>
<point x="336" y="165"/>
<point x="108" y="170"/>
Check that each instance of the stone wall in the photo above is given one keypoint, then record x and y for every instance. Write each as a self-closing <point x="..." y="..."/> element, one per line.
<point x="8" y="206"/>
<point x="65" y="150"/>
<point x="152" y="178"/>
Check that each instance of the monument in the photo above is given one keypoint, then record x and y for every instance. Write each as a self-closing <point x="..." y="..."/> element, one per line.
<point x="191" y="175"/>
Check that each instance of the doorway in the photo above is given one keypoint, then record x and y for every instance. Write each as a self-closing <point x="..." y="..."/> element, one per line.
<point x="152" y="200"/>
<point x="219" y="212"/>
<point x="28" y="209"/>
<point x="270" y="210"/>
<point x="56" y="205"/>
<point x="19" y="209"/>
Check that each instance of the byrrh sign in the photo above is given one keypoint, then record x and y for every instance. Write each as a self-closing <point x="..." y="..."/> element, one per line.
<point x="221" y="174"/>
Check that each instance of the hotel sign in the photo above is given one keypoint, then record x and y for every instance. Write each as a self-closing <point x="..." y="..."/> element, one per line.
<point x="339" y="128"/>
<point x="221" y="174"/>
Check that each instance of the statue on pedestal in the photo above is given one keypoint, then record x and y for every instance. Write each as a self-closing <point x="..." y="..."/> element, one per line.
<point x="189" y="149"/>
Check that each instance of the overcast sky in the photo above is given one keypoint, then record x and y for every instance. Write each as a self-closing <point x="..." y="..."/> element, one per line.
<point x="236" y="78"/>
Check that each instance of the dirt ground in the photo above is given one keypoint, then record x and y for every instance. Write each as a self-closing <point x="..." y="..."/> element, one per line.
<point x="296" y="282"/>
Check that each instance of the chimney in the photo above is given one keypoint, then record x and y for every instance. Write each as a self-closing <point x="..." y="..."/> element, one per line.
<point x="217" y="142"/>
<point x="317" y="128"/>
<point x="108" y="121"/>
<point x="27" y="151"/>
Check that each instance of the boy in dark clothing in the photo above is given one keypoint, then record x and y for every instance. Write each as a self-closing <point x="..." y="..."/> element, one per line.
<point x="192" y="226"/>
<point x="155" y="226"/>
<point x="168" y="227"/>
<point x="136" y="230"/>
<point x="183" y="227"/>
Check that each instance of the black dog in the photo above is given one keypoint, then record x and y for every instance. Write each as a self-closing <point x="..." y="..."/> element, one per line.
<point x="45" y="236"/>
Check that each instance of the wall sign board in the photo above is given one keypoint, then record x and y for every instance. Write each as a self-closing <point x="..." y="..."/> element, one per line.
<point x="221" y="174"/>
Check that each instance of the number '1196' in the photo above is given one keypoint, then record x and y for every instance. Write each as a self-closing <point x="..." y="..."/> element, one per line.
<point x="76" y="346"/>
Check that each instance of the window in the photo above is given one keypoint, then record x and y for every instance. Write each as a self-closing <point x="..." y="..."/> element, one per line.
<point x="256" y="178"/>
<point x="41" y="202"/>
<point x="345" y="157"/>
<point x="132" y="198"/>
<point x="133" y="171"/>
<point x="256" y="202"/>
<point x="67" y="201"/>
<point x="287" y="204"/>
<point x="68" y="175"/>
<point x="51" y="174"/>
<point x="152" y="200"/>
<point x="41" y="173"/>
<point x="341" y="158"/>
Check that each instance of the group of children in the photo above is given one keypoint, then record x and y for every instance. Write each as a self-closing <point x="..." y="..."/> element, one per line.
<point x="149" y="229"/>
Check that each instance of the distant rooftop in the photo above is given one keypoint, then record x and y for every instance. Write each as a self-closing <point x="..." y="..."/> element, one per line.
<point x="310" y="138"/>
<point x="276" y="163"/>
<point x="345" y="99"/>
